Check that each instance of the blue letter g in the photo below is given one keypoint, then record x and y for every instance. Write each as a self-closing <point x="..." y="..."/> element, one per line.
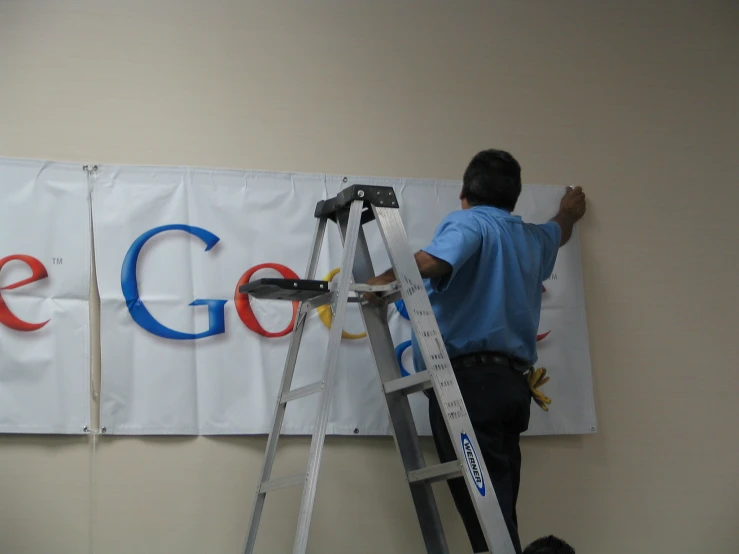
<point x="139" y="313"/>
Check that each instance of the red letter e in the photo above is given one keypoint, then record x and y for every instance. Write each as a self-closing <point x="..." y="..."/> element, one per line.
<point x="38" y="272"/>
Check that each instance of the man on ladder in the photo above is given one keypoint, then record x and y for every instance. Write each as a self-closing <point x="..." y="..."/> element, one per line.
<point x="483" y="272"/>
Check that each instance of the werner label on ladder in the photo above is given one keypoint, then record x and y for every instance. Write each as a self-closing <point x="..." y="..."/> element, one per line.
<point x="455" y="251"/>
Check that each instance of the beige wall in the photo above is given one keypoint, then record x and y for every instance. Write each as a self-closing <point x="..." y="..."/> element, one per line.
<point x="635" y="101"/>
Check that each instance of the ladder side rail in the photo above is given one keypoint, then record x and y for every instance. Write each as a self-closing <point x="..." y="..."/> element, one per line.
<point x="287" y="377"/>
<point x="337" y="326"/>
<point x="444" y="381"/>
<point x="403" y="426"/>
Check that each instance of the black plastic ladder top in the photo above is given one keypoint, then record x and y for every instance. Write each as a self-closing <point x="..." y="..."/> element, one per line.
<point x="295" y="290"/>
<point x="371" y="195"/>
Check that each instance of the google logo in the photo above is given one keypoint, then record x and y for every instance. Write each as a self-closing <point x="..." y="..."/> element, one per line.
<point x="216" y="307"/>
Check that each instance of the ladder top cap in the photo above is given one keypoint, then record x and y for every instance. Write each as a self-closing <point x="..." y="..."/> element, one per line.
<point x="371" y="195"/>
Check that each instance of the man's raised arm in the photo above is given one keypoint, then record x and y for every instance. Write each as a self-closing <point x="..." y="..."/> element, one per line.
<point x="571" y="210"/>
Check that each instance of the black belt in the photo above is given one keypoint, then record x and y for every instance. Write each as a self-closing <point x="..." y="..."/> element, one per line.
<point x="489" y="358"/>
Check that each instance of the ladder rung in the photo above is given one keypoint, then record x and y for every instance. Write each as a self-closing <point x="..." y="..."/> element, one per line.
<point x="301" y="392"/>
<point x="282" y="482"/>
<point x="440" y="472"/>
<point x="394" y="297"/>
<point x="413" y="383"/>
<point x="362" y="287"/>
<point x="318" y="301"/>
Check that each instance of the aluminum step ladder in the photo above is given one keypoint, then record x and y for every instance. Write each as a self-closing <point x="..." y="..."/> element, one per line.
<point x="353" y="207"/>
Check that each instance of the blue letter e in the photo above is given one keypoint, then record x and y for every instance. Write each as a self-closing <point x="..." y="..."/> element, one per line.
<point x="139" y="313"/>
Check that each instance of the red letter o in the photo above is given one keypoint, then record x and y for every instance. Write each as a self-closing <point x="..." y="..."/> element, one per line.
<point x="243" y="305"/>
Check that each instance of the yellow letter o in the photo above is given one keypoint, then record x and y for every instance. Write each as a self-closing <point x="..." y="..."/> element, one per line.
<point x="327" y="316"/>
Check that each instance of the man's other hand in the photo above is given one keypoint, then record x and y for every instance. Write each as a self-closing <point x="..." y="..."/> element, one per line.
<point x="428" y="266"/>
<point x="384" y="279"/>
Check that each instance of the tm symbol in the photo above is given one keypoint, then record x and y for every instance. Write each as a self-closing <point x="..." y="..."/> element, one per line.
<point x="56" y="261"/>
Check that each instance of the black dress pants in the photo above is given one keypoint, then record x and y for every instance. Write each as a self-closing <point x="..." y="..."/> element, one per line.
<point x="498" y="403"/>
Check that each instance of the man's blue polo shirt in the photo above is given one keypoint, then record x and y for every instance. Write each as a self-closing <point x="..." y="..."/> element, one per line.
<point x="492" y="299"/>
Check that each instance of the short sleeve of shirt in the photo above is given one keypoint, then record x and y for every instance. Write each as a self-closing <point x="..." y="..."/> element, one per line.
<point x="550" y="234"/>
<point x="457" y="238"/>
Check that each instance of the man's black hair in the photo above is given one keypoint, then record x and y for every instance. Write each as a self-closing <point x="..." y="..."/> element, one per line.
<point x="549" y="545"/>
<point x="492" y="178"/>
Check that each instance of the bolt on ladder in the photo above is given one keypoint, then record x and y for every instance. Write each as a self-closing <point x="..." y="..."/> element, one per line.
<point x="350" y="210"/>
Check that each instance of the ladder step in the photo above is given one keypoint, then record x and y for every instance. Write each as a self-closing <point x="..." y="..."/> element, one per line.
<point x="413" y="383"/>
<point x="315" y="293"/>
<point x="296" y="290"/>
<point x="440" y="472"/>
<point x="301" y="392"/>
<point x="282" y="483"/>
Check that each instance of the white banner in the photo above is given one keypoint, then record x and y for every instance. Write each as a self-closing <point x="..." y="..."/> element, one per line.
<point x="44" y="297"/>
<point x="184" y="353"/>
